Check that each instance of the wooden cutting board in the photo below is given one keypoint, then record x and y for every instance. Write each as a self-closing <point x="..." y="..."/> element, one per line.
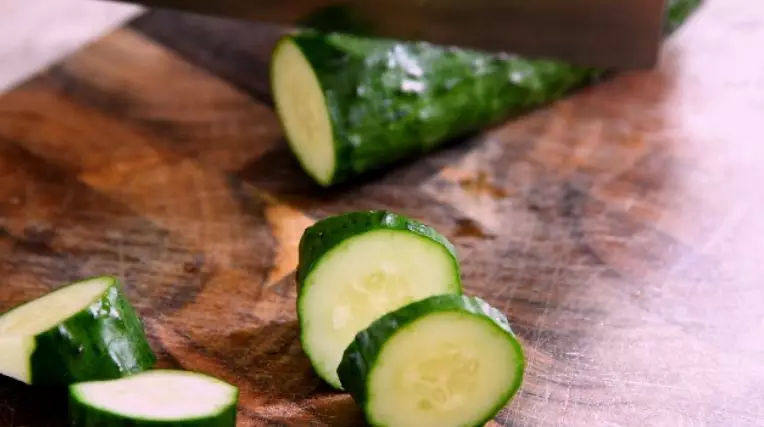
<point x="620" y="229"/>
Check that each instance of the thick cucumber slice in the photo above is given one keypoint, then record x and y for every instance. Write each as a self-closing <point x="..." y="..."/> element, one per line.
<point x="352" y="104"/>
<point x="448" y="360"/>
<point x="357" y="266"/>
<point x="154" y="398"/>
<point x="83" y="331"/>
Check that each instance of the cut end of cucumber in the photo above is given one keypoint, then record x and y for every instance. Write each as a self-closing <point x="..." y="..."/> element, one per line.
<point x="447" y="368"/>
<point x="302" y="109"/>
<point x="160" y="395"/>
<point x="46" y="312"/>
<point x="14" y="357"/>
<point x="363" y="278"/>
<point x="19" y="326"/>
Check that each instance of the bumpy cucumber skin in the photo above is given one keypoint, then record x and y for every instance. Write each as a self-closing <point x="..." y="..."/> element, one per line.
<point x="388" y="100"/>
<point x="104" y="341"/>
<point x="83" y="415"/>
<point x="360" y="357"/>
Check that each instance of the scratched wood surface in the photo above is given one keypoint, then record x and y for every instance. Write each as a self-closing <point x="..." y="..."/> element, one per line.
<point x="620" y="229"/>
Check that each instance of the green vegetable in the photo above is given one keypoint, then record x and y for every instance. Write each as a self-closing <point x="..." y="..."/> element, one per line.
<point x="448" y="360"/>
<point x="84" y="331"/>
<point x="154" y="398"/>
<point x="358" y="266"/>
<point x="350" y="104"/>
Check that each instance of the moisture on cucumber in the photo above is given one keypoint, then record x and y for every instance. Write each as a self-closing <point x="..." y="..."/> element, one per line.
<point x="355" y="267"/>
<point x="154" y="398"/>
<point x="448" y="360"/>
<point x="84" y="331"/>
<point x="351" y="104"/>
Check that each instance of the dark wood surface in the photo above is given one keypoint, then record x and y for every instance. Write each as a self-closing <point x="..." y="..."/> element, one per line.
<point x="620" y="229"/>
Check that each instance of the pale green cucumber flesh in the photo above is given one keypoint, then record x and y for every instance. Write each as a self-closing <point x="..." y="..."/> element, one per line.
<point x="160" y="397"/>
<point x="86" y="330"/>
<point x="302" y="110"/>
<point x="379" y="262"/>
<point x="14" y="357"/>
<point x="444" y="361"/>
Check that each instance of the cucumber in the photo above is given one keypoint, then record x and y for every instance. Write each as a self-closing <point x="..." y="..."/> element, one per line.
<point x="355" y="267"/>
<point x="448" y="360"/>
<point x="154" y="398"/>
<point x="84" y="331"/>
<point x="350" y="104"/>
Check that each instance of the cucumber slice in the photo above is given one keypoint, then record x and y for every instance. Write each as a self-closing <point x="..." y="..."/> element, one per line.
<point x="154" y="398"/>
<point x="83" y="331"/>
<point x="448" y="360"/>
<point x="355" y="267"/>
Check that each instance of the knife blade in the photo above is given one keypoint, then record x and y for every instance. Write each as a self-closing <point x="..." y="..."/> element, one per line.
<point x="602" y="33"/>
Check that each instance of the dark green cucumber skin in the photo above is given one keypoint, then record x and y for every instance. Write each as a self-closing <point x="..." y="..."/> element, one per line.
<point x="378" y="117"/>
<point x="324" y="235"/>
<point x="82" y="415"/>
<point x="361" y="355"/>
<point x="104" y="341"/>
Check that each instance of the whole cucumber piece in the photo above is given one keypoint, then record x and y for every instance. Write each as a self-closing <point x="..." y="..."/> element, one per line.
<point x="350" y="104"/>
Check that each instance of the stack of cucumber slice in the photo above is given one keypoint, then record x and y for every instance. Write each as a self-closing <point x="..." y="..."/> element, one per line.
<point x="382" y="316"/>
<point x="88" y="331"/>
<point x="358" y="266"/>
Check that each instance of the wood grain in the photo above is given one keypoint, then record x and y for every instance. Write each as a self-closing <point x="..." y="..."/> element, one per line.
<point x="620" y="229"/>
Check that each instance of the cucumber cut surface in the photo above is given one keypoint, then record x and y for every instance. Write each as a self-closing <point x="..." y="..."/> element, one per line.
<point x="46" y="311"/>
<point x="448" y="360"/>
<point x="83" y="331"/>
<point x="301" y="105"/>
<point x="358" y="266"/>
<point x="160" y="397"/>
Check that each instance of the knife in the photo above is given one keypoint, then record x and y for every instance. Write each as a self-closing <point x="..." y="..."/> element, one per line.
<point x="603" y="33"/>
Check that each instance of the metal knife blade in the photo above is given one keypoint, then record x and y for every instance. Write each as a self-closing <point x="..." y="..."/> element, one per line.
<point x="602" y="33"/>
